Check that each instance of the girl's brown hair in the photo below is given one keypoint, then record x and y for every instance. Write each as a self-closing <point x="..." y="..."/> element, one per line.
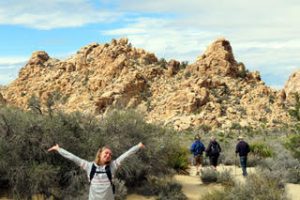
<point x="97" y="158"/>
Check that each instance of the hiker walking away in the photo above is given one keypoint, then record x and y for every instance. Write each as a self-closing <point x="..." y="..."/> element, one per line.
<point x="242" y="148"/>
<point x="213" y="152"/>
<point x="100" y="171"/>
<point x="197" y="149"/>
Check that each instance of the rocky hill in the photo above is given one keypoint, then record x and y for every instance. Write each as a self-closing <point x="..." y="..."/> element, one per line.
<point x="292" y="86"/>
<point x="216" y="90"/>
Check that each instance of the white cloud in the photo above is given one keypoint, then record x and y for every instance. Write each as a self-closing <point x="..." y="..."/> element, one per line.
<point x="12" y="60"/>
<point x="9" y="67"/>
<point x="165" y="40"/>
<point x="264" y="34"/>
<point x="52" y="14"/>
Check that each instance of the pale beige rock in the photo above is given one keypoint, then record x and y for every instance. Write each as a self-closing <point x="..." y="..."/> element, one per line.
<point x="215" y="91"/>
<point x="173" y="67"/>
<point x="2" y="100"/>
<point x="292" y="86"/>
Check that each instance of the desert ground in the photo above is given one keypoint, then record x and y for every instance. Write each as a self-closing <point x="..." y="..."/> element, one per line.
<point x="194" y="189"/>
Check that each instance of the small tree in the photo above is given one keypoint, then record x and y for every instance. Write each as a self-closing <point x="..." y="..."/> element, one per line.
<point x="34" y="104"/>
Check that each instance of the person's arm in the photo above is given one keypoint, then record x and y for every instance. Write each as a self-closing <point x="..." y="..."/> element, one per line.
<point x="192" y="149"/>
<point x="248" y="148"/>
<point x="237" y="149"/>
<point x="128" y="153"/>
<point x="219" y="147"/>
<point x="80" y="162"/>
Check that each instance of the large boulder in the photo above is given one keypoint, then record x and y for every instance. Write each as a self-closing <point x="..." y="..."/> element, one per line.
<point x="292" y="85"/>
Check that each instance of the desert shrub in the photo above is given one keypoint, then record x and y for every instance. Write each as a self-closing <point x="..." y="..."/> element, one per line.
<point x="294" y="111"/>
<point x="215" y="195"/>
<point x="163" y="63"/>
<point x="183" y="64"/>
<point x="121" y="189"/>
<point x="25" y="137"/>
<point x="293" y="144"/>
<point x="225" y="178"/>
<point x="293" y="175"/>
<point x="252" y="160"/>
<point x="171" y="191"/>
<point x="261" y="150"/>
<point x="122" y="129"/>
<point x="257" y="186"/>
<point x="162" y="187"/>
<point x="27" y="168"/>
<point x="209" y="175"/>
<point x="227" y="156"/>
<point x="178" y="158"/>
<point x="282" y="166"/>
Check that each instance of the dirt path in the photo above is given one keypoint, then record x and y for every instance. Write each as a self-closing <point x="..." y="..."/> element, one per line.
<point x="194" y="189"/>
<point x="293" y="191"/>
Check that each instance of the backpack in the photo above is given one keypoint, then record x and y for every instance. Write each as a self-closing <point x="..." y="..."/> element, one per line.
<point x="215" y="150"/>
<point x="108" y="173"/>
<point x="198" y="148"/>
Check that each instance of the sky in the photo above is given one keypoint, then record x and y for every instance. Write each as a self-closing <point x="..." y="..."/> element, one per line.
<point x="264" y="34"/>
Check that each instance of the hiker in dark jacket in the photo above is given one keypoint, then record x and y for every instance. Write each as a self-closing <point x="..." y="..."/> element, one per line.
<point x="213" y="152"/>
<point x="243" y="148"/>
<point x="197" y="149"/>
<point x="100" y="171"/>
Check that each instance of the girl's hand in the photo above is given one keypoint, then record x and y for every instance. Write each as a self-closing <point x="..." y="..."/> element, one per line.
<point x="141" y="145"/>
<point x="54" y="148"/>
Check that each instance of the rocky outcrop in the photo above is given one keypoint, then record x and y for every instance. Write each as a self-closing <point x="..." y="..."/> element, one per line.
<point x="216" y="90"/>
<point x="218" y="59"/>
<point x="2" y="100"/>
<point x="292" y="86"/>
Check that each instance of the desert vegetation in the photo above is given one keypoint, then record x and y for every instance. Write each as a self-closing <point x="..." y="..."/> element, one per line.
<point x="26" y="168"/>
<point x="274" y="154"/>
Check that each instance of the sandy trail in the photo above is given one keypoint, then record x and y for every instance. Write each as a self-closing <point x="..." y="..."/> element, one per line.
<point x="293" y="191"/>
<point x="194" y="189"/>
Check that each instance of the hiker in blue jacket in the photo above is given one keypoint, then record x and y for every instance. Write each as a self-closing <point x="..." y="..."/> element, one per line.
<point x="197" y="149"/>
<point x="213" y="152"/>
<point x="243" y="148"/>
<point x="100" y="171"/>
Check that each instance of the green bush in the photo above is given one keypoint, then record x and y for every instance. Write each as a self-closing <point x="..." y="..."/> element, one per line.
<point x="209" y="175"/>
<point x="27" y="168"/>
<point x="293" y="144"/>
<point x="215" y="195"/>
<point x="282" y="166"/>
<point x="164" y="188"/>
<point x="178" y="157"/>
<point x="257" y="186"/>
<point x="171" y="191"/>
<point x="261" y="150"/>
<point x="225" y="178"/>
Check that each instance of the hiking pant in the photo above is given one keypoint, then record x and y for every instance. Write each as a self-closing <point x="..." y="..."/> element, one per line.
<point x="213" y="160"/>
<point x="243" y="161"/>
<point x="198" y="160"/>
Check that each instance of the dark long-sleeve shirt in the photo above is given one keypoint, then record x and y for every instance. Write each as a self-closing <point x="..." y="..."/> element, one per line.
<point x="242" y="148"/>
